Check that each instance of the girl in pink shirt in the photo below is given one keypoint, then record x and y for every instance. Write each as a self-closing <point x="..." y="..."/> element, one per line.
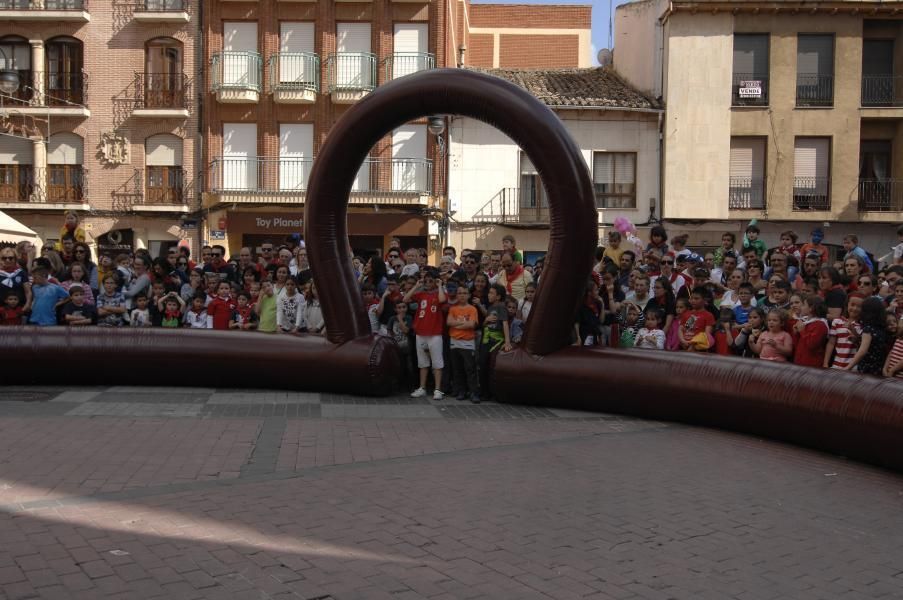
<point x="774" y="344"/>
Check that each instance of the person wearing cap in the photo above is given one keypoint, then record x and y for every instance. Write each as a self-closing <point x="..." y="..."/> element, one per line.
<point x="816" y="246"/>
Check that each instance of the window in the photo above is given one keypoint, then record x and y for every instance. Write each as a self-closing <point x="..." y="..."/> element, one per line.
<point x="614" y="179"/>
<point x="811" y="173"/>
<point x="240" y="61"/>
<point x="17" y="51"/>
<point x="410" y="49"/>
<point x="815" y="70"/>
<point x="532" y="193"/>
<point x="239" y="168"/>
<point x="750" y="78"/>
<point x="163" y="82"/>
<point x="16" y="170"/>
<point x="163" y="163"/>
<point x="296" y="152"/>
<point x="65" y="80"/>
<point x="410" y="172"/>
<point x="747" y="173"/>
<point x="65" y="176"/>
<point x="878" y="83"/>
<point x="298" y="65"/>
<point x="353" y="64"/>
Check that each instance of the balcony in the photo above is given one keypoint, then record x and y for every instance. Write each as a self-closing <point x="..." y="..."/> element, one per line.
<point x="237" y="77"/>
<point x="811" y="193"/>
<point x="749" y="89"/>
<point x="18" y="184"/>
<point x="65" y="184"/>
<point x="746" y="193"/>
<point x="513" y="205"/>
<point x="57" y="186"/>
<point x="294" y="77"/>
<point x="161" y="11"/>
<point x="397" y="181"/>
<point x="165" y="187"/>
<point x="161" y="95"/>
<point x="406" y="63"/>
<point x="60" y="94"/>
<point x="72" y="11"/>
<point x="882" y="91"/>
<point x="880" y="195"/>
<point x="814" y="90"/>
<point x="352" y="75"/>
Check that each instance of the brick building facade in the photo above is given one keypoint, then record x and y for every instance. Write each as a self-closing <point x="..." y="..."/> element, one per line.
<point x="103" y="120"/>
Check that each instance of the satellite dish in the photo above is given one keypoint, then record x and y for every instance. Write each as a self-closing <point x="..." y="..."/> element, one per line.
<point x="604" y="57"/>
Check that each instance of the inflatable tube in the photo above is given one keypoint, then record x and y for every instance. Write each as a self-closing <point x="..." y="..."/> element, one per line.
<point x="197" y="357"/>
<point x="843" y="413"/>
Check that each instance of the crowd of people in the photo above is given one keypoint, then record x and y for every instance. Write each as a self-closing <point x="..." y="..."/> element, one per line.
<point x="791" y="303"/>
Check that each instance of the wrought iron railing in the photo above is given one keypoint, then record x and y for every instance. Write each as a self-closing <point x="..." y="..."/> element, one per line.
<point x="18" y="183"/>
<point x="749" y="89"/>
<point x="43" y="5"/>
<point x="513" y="205"/>
<point x="287" y="174"/>
<point x="814" y="90"/>
<point x="746" y="193"/>
<point x="882" y="90"/>
<point x="881" y="195"/>
<point x="351" y="71"/>
<point x="164" y="185"/>
<point x="161" y="90"/>
<point x="25" y="92"/>
<point x="66" y="183"/>
<point x="237" y="70"/>
<point x="66" y="89"/>
<point x="406" y="63"/>
<point x="294" y="71"/>
<point x="161" y="5"/>
<point x="811" y="193"/>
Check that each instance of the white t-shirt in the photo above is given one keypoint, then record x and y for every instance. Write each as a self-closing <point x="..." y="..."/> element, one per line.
<point x="195" y="320"/>
<point x="730" y="300"/>
<point x="656" y="344"/>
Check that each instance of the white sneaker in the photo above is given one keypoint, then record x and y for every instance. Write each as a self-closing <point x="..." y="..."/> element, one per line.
<point x="438" y="395"/>
<point x="418" y="393"/>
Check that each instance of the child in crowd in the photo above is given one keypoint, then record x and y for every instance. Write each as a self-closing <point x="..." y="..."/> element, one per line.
<point x="794" y="308"/>
<point x="672" y="335"/>
<point x="651" y="334"/>
<point x="111" y="305"/>
<point x="428" y="327"/>
<point x="243" y="317"/>
<point x="46" y="298"/>
<point x="140" y="315"/>
<point x="371" y="305"/>
<point x="496" y="335"/>
<point x="590" y="316"/>
<point x="196" y="316"/>
<point x="313" y="312"/>
<point x="844" y="335"/>
<point x="517" y="325"/>
<point x="12" y="312"/>
<point x="896" y="305"/>
<point x="751" y="239"/>
<point x="789" y="249"/>
<point x="629" y="320"/>
<point x="289" y="309"/>
<point x="728" y="240"/>
<point x="872" y="353"/>
<point x="745" y="303"/>
<point x="774" y="344"/>
<point x="810" y="334"/>
<point x="679" y="245"/>
<point x="123" y="268"/>
<point x="724" y="332"/>
<point x="614" y="249"/>
<point x="171" y="306"/>
<point x="893" y="366"/>
<point x="749" y="333"/>
<point x="815" y="246"/>
<point x="266" y="308"/>
<point x="658" y="239"/>
<point x="462" y="322"/>
<point x="778" y="295"/>
<point x="158" y="293"/>
<point x="526" y="304"/>
<point x="697" y="323"/>
<point x="399" y="328"/>
<point x="77" y="311"/>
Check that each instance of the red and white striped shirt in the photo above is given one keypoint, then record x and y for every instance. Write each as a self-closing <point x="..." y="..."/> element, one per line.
<point x="896" y="356"/>
<point x="844" y="348"/>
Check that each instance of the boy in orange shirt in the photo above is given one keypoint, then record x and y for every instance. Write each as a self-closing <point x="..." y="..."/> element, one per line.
<point x="462" y="323"/>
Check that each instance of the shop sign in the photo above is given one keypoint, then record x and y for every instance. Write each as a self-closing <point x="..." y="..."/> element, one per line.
<point x="750" y="89"/>
<point x="217" y="234"/>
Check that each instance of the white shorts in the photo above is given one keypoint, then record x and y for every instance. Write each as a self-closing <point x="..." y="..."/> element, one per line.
<point x="429" y="348"/>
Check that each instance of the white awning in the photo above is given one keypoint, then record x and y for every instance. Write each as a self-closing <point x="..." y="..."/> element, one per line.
<point x="13" y="232"/>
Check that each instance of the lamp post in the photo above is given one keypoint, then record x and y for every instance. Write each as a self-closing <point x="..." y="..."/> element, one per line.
<point x="436" y="126"/>
<point x="9" y="78"/>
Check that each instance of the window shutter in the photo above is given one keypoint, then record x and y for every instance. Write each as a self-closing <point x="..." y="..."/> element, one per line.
<point x="16" y="150"/>
<point x="353" y="37"/>
<point x="296" y="36"/>
<point x="65" y="149"/>
<point x="624" y="169"/>
<point x="526" y="166"/>
<point x="240" y="37"/>
<point x="810" y="158"/>
<point x="163" y="151"/>
<point x="603" y="168"/>
<point x="815" y="55"/>
<point x="751" y="55"/>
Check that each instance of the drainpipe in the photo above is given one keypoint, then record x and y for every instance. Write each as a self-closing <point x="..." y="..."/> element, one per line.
<point x="661" y="167"/>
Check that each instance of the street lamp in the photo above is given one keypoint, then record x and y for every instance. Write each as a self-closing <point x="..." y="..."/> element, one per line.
<point x="436" y="125"/>
<point x="9" y="79"/>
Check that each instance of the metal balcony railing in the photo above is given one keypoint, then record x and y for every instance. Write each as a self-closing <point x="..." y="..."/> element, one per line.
<point x="237" y="70"/>
<point x="814" y="90"/>
<point x="749" y="89"/>
<point x="66" y="89"/>
<point x="746" y="193"/>
<point x="63" y="184"/>
<point x="161" y="5"/>
<point x="882" y="90"/>
<point x="881" y="195"/>
<point x="18" y="183"/>
<point x="164" y="185"/>
<point x="24" y="94"/>
<point x="514" y="205"/>
<point x="161" y="90"/>
<point x="66" y="183"/>
<point x="406" y="63"/>
<point x="286" y="175"/>
<point x="294" y="71"/>
<point x="43" y="5"/>
<point x="351" y="72"/>
<point x="811" y="193"/>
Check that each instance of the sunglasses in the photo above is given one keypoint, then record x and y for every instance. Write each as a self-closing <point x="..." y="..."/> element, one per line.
<point x="7" y="258"/>
<point x="266" y="249"/>
<point x="667" y="262"/>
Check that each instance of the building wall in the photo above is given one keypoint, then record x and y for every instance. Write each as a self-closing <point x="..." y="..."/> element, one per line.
<point x="114" y="52"/>
<point x="484" y="161"/>
<point x="698" y="59"/>
<point x="639" y="45"/>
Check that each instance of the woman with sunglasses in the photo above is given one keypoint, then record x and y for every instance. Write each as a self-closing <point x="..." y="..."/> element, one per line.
<point x="82" y="255"/>
<point x="12" y="278"/>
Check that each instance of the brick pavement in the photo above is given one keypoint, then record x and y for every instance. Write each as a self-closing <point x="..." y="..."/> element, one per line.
<point x="499" y="503"/>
